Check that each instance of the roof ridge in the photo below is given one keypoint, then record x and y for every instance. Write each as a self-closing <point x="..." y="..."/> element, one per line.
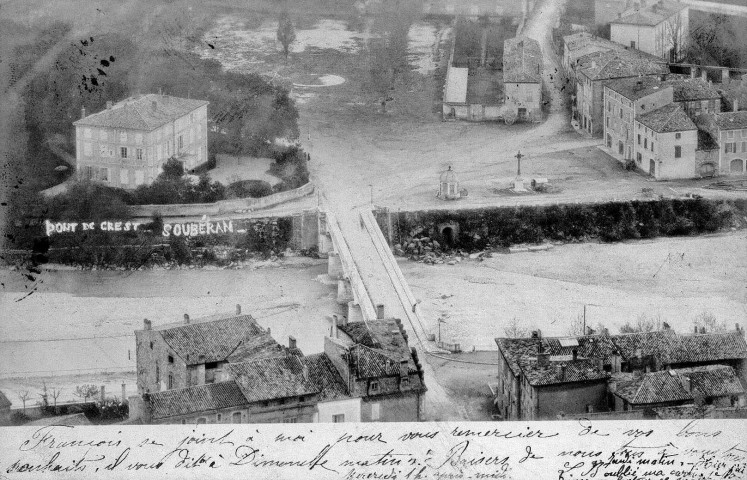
<point x="204" y="385"/>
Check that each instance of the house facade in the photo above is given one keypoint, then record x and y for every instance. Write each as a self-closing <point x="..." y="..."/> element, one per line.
<point x="594" y="71"/>
<point x="669" y="140"/>
<point x="660" y="28"/>
<point x="522" y="77"/>
<point x="126" y="144"/>
<point x="729" y="131"/>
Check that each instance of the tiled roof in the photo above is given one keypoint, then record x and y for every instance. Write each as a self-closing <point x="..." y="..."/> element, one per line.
<point x="4" y="402"/>
<point x="143" y="112"/>
<point x="669" y="118"/>
<point x="657" y="343"/>
<point x="522" y="60"/>
<point x="671" y="385"/>
<point x="560" y="372"/>
<point x="259" y="346"/>
<point x="684" y="88"/>
<point x="708" y="347"/>
<point x="618" y="64"/>
<point x="214" y="341"/>
<point x="359" y="333"/>
<point x="273" y="378"/>
<point x="384" y="336"/>
<point x="200" y="398"/>
<point x="326" y="377"/>
<point x="653" y="15"/>
<point x="371" y="363"/>
<point x="731" y="120"/>
<point x="589" y="346"/>
<point x="514" y="349"/>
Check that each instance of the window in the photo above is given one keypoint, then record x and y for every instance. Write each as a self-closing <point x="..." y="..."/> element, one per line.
<point x="171" y="382"/>
<point x="290" y="420"/>
<point x="608" y="122"/>
<point x="181" y="142"/>
<point x="104" y="174"/>
<point x="639" y="139"/>
<point x="171" y="359"/>
<point x="151" y="345"/>
<point x="339" y="418"/>
<point x="677" y="151"/>
<point x="652" y="145"/>
<point x="677" y="136"/>
<point x="638" y="157"/>
<point x="744" y="132"/>
<point x="201" y="421"/>
<point x="139" y="153"/>
<point x="219" y="417"/>
<point x="730" y="134"/>
<point x="236" y="417"/>
<point x="123" y="152"/>
<point x="158" y="374"/>
<point x="375" y="411"/>
<point x="621" y="112"/>
<point x="374" y="386"/>
<point x="404" y="381"/>
<point x="183" y="421"/>
<point x="632" y="44"/>
<point x="730" y="147"/>
<point x="645" y="143"/>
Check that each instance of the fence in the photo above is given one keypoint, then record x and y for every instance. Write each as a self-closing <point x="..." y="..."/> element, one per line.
<point x="219" y="207"/>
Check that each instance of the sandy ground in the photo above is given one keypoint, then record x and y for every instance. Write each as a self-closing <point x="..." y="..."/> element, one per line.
<point x="675" y="279"/>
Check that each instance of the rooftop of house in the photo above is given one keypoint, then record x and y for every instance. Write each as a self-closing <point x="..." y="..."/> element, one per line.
<point x="706" y="141"/>
<point x="651" y="15"/>
<point x="677" y="385"/>
<point x="142" y="112"/>
<point x="324" y="374"/>
<point x="195" y="399"/>
<point x="234" y="338"/>
<point x="731" y="120"/>
<point x="667" y="119"/>
<point x="273" y="378"/>
<point x="618" y="64"/>
<point x="684" y="88"/>
<point x="4" y="402"/>
<point x="522" y="60"/>
<point x="383" y="336"/>
<point x="455" y="89"/>
<point x="580" y="40"/>
<point x="665" y="346"/>
<point x="560" y="370"/>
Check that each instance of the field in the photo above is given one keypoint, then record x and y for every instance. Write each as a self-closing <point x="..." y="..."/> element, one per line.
<point x="672" y="280"/>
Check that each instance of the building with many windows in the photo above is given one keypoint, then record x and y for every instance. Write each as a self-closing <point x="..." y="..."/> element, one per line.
<point x="126" y="144"/>
<point x="666" y="141"/>
<point x="729" y="132"/>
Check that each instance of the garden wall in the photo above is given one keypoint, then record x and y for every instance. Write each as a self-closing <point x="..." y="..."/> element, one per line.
<point x="477" y="229"/>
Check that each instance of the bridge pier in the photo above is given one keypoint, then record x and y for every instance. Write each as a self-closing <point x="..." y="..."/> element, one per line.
<point x="334" y="265"/>
<point x="344" y="292"/>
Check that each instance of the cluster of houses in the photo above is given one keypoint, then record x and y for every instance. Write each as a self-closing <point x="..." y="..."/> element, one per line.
<point x="230" y="370"/>
<point x="516" y="95"/>
<point x="619" y="376"/>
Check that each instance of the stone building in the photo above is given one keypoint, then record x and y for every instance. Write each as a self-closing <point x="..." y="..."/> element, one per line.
<point x="660" y="28"/>
<point x="522" y="77"/>
<point x="594" y="71"/>
<point x="728" y="130"/>
<point x="126" y="144"/>
<point x="669" y="140"/>
<point x="366" y="373"/>
<point x="531" y="383"/>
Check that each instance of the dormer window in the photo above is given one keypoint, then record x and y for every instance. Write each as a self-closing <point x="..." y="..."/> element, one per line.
<point x="404" y="381"/>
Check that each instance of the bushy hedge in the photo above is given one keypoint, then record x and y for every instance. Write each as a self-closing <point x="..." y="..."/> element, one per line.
<point x="609" y="222"/>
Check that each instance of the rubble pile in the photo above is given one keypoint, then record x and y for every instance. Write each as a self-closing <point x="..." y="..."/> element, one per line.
<point x="430" y="251"/>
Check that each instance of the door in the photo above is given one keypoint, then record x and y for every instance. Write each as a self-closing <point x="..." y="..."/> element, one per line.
<point x="652" y="167"/>
<point x="736" y="166"/>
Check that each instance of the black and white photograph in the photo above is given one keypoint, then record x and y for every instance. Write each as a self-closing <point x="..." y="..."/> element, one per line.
<point x="491" y="238"/>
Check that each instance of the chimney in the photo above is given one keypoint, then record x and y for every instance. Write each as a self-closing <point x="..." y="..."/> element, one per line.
<point x="103" y="394"/>
<point x="535" y="334"/>
<point x="666" y="326"/>
<point x="703" y="330"/>
<point x="693" y="72"/>
<point x="575" y="354"/>
<point x="560" y="371"/>
<point x="186" y="319"/>
<point x="696" y="329"/>
<point x="380" y="311"/>
<point x="605" y="331"/>
<point x="108" y="104"/>
<point x="291" y="342"/>
<point x="124" y="392"/>
<point x="82" y="112"/>
<point x="147" y="325"/>
<point x="543" y="359"/>
<point x="238" y="309"/>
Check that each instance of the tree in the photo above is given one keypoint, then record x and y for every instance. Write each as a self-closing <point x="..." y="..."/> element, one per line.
<point x="55" y="395"/>
<point x="24" y="395"/>
<point x="673" y="36"/>
<point x="286" y="32"/>
<point x="643" y="324"/>
<point x="86" y="391"/>
<point x="514" y="330"/>
<point x="173" y="169"/>
<point x="708" y="321"/>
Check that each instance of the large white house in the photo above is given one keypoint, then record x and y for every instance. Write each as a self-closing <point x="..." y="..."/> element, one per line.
<point x="659" y="28"/>
<point x="126" y="144"/>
